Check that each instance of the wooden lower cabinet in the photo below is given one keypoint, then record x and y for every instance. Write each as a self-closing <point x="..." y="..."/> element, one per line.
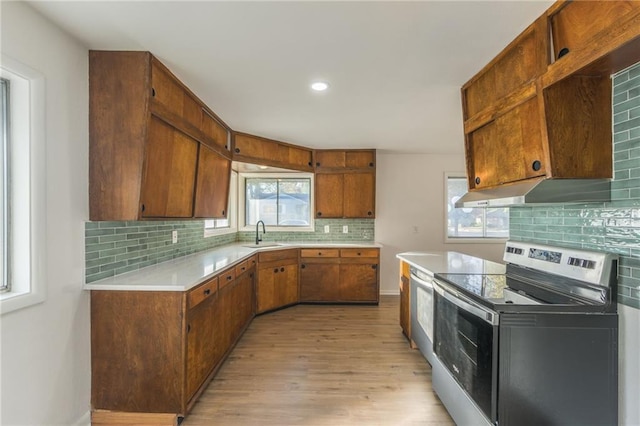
<point x="405" y="300"/>
<point x="339" y="276"/>
<point x="155" y="351"/>
<point x="277" y="285"/>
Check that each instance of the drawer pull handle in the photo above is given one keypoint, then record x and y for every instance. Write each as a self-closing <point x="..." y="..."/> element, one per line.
<point x="303" y="266"/>
<point x="229" y="278"/>
<point x="207" y="292"/>
<point x="281" y="269"/>
<point x="275" y="270"/>
<point x="319" y="253"/>
<point x="359" y="253"/>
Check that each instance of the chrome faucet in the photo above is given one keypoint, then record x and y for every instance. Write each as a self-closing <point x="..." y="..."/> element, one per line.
<point x="258" y="239"/>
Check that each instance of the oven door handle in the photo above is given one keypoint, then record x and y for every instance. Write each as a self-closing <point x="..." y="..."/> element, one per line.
<point x="466" y="304"/>
<point x="421" y="282"/>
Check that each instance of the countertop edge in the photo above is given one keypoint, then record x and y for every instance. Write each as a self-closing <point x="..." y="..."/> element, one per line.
<point x="119" y="282"/>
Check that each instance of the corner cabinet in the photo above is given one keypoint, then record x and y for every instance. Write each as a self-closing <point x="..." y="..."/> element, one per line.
<point x="345" y="183"/>
<point x="277" y="284"/>
<point x="156" y="151"/>
<point x="339" y="275"/>
<point x="258" y="150"/>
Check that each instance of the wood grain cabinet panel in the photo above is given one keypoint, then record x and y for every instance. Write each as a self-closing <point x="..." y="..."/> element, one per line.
<point x="507" y="149"/>
<point x="154" y="351"/>
<point x="577" y="23"/>
<point x="277" y="281"/>
<point x="169" y="175"/>
<point x="351" y="278"/>
<point x="329" y="195"/>
<point x="268" y="152"/>
<point x="143" y="127"/>
<point x="405" y="299"/>
<point x="345" y="184"/>
<point x="212" y="186"/>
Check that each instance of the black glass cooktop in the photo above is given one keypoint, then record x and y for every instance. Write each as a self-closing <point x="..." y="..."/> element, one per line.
<point x="483" y="286"/>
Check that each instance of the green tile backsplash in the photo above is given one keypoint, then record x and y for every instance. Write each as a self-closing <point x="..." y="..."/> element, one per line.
<point x="113" y="248"/>
<point x="612" y="226"/>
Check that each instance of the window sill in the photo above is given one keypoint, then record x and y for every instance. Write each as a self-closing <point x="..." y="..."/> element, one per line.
<point x="13" y="300"/>
<point x="280" y="229"/>
<point x="475" y="240"/>
<point x="220" y="231"/>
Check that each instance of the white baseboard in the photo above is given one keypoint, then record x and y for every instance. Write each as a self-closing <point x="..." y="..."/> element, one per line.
<point x="390" y="292"/>
<point x="84" y="420"/>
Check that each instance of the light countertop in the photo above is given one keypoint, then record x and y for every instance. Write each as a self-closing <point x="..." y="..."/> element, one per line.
<point x="186" y="272"/>
<point x="450" y="262"/>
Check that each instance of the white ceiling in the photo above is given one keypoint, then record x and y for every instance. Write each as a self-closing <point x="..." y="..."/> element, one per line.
<point x="395" y="68"/>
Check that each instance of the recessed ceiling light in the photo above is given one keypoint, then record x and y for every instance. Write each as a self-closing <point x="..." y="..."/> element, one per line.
<point x="319" y="86"/>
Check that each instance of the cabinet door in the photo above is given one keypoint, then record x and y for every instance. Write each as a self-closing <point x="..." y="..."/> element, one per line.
<point x="170" y="171"/>
<point x="358" y="282"/>
<point x="277" y="286"/>
<point x="173" y="97"/>
<point x="360" y="159"/>
<point x="217" y="134"/>
<point x="405" y="306"/>
<point x="319" y="282"/>
<point x="201" y="345"/>
<point x="359" y="195"/>
<point x="508" y="149"/>
<point x="212" y="185"/>
<point x="329" y="191"/>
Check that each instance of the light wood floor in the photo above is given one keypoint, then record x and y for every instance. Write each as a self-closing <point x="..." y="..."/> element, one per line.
<point x="323" y="365"/>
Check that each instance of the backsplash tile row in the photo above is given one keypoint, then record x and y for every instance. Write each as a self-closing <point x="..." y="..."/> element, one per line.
<point x="358" y="230"/>
<point x="113" y="248"/>
<point x="614" y="226"/>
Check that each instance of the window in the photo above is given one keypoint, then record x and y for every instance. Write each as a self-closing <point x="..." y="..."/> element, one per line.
<point x="4" y="190"/>
<point x="228" y="225"/>
<point x="23" y="187"/>
<point x="280" y="201"/>
<point x="479" y="223"/>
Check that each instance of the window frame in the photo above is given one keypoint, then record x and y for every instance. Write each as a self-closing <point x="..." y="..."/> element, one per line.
<point x="465" y="240"/>
<point x="5" y="190"/>
<point x="281" y="175"/>
<point x="232" y="212"/>
<point x="27" y="180"/>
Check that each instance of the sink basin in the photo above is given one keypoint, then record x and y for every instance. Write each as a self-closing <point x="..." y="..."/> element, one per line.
<point x="261" y="245"/>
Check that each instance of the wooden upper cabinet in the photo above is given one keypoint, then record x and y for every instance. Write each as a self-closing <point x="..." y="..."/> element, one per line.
<point x="542" y="107"/>
<point x="359" y="195"/>
<point x="345" y="159"/>
<point x="216" y="134"/>
<point x="329" y="195"/>
<point x="574" y="25"/>
<point x="212" y="184"/>
<point x="507" y="149"/>
<point x="519" y="63"/>
<point x="345" y="183"/>
<point x="258" y="150"/>
<point x="169" y="173"/>
<point x="145" y="131"/>
<point x="173" y="97"/>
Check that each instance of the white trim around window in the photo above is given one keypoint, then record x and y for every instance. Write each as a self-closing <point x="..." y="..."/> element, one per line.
<point x="27" y="187"/>
<point x="483" y="239"/>
<point x="285" y="175"/>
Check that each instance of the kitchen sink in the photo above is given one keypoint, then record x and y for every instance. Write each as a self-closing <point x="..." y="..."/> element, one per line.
<point x="261" y="245"/>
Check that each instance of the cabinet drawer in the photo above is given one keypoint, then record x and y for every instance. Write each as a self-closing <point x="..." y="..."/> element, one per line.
<point x="227" y="277"/>
<point x="200" y="293"/>
<point x="359" y="252"/>
<point x="321" y="252"/>
<point x="269" y="256"/>
<point x="242" y="267"/>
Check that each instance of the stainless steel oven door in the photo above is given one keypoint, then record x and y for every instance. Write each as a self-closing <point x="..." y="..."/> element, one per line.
<point x="422" y="312"/>
<point x="466" y="343"/>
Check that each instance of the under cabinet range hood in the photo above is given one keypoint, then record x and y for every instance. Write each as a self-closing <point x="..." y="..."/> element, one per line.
<point x="539" y="191"/>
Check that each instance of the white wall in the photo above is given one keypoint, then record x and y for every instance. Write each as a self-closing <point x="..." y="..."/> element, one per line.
<point x="45" y="352"/>
<point x="410" y="192"/>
